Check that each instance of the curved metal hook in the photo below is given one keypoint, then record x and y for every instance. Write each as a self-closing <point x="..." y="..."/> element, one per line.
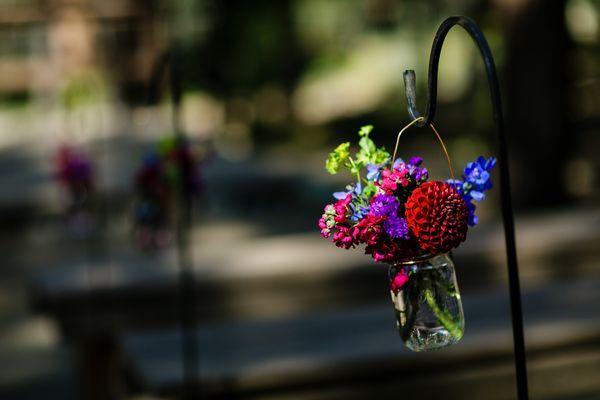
<point x="507" y="212"/>
<point x="409" y="76"/>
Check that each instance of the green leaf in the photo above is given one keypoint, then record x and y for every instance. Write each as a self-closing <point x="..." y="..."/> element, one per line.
<point x="367" y="151"/>
<point x="379" y="156"/>
<point x="365" y="130"/>
<point x="362" y="157"/>
<point x="366" y="144"/>
<point x="355" y="169"/>
<point x="369" y="190"/>
<point x="337" y="158"/>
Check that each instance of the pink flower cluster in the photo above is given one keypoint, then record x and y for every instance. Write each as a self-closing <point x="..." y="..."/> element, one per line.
<point x="390" y="179"/>
<point x="334" y="223"/>
<point x="341" y="209"/>
<point x="335" y="216"/>
<point x="390" y="250"/>
<point x="380" y="225"/>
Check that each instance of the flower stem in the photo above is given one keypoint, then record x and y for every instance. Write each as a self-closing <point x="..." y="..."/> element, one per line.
<point x="408" y="326"/>
<point x="356" y="169"/>
<point x="442" y="315"/>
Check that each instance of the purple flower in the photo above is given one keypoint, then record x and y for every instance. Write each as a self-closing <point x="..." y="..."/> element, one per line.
<point x="387" y="206"/>
<point x="79" y="169"/>
<point x="384" y="205"/>
<point x="415" y="161"/>
<point x="74" y="168"/>
<point x="415" y="171"/>
<point x="396" y="227"/>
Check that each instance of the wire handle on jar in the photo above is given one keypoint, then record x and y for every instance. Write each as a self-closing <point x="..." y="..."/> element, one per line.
<point x="414" y="121"/>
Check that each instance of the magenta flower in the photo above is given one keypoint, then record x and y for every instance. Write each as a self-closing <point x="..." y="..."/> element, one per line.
<point x="399" y="280"/>
<point x="327" y="221"/>
<point x="391" y="179"/>
<point x="369" y="229"/>
<point x="325" y="230"/>
<point x="345" y="237"/>
<point x="341" y="208"/>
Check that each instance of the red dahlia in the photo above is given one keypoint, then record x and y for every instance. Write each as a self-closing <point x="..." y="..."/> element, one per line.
<point x="437" y="216"/>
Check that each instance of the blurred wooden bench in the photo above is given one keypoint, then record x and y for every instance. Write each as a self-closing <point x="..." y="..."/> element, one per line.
<point x="283" y="277"/>
<point x="356" y="353"/>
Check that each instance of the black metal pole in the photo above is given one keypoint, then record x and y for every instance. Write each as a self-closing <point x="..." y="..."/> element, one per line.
<point x="183" y="223"/>
<point x="507" y="211"/>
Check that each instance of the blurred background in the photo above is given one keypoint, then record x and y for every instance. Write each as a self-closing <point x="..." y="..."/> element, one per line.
<point x="91" y="298"/>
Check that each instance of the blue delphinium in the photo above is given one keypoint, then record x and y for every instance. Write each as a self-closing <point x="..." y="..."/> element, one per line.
<point x="355" y="190"/>
<point x="359" y="204"/>
<point x="358" y="212"/>
<point x="476" y="180"/>
<point x="374" y="171"/>
<point x="477" y="177"/>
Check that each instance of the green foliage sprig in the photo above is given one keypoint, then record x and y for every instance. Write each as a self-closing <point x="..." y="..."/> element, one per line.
<point x="368" y="153"/>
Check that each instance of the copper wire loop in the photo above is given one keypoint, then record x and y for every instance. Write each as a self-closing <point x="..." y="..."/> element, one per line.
<point x="411" y="123"/>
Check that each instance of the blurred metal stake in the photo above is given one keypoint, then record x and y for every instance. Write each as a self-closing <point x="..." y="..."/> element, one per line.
<point x="169" y="62"/>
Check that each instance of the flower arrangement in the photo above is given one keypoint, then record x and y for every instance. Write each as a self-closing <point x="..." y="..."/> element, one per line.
<point x="75" y="174"/>
<point x="394" y="210"/>
<point x="404" y="219"/>
<point x="169" y="171"/>
<point x="74" y="171"/>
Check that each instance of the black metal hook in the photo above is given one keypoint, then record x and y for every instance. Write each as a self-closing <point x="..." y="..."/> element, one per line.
<point x="409" y="76"/>
<point x="507" y="211"/>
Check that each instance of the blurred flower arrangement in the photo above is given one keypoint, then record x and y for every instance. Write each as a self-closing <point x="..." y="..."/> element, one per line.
<point x="169" y="172"/>
<point x="74" y="173"/>
<point x="399" y="215"/>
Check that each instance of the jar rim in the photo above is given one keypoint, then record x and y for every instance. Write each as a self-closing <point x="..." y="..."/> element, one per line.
<point x="419" y="259"/>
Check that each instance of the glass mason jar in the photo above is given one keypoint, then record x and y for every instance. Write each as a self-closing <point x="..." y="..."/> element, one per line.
<point x="429" y="312"/>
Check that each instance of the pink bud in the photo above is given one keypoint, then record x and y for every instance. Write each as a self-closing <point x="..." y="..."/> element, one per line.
<point x="399" y="280"/>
